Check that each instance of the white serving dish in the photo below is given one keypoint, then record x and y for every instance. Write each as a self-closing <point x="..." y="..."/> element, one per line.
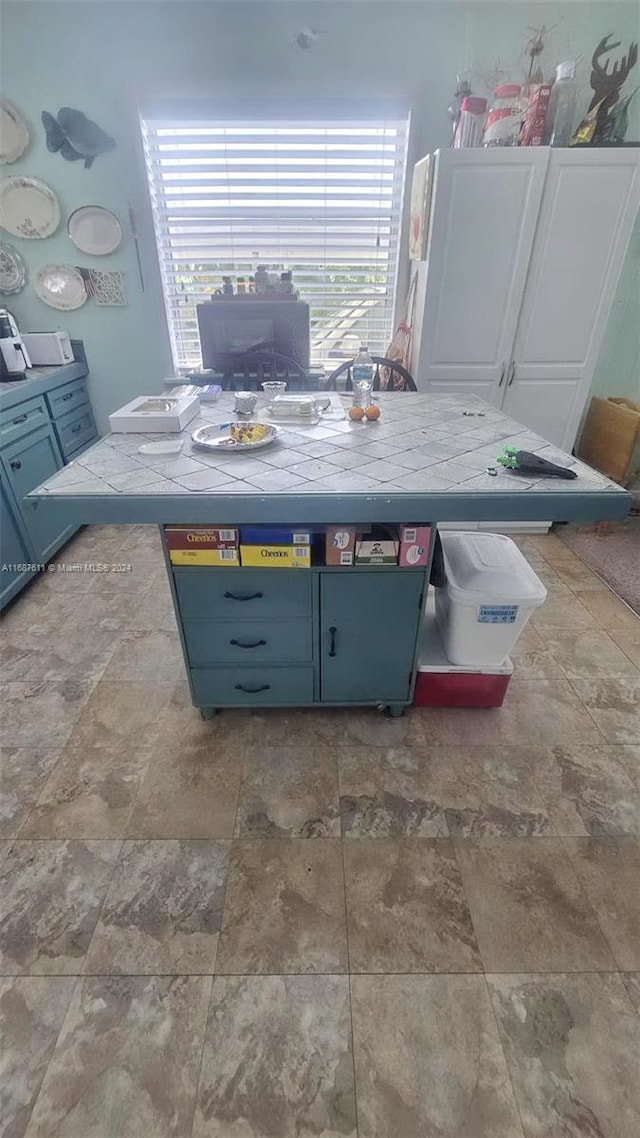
<point x="166" y="446"/>
<point x="217" y="437"/>
<point x="149" y="414"/>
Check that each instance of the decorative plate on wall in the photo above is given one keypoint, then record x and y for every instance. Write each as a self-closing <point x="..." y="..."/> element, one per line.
<point x="28" y="207"/>
<point x="60" y="286"/>
<point x="14" y="133"/>
<point x="13" y="271"/>
<point x="94" y="230"/>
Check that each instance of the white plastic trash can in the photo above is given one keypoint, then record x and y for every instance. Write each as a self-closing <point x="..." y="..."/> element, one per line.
<point x="490" y="593"/>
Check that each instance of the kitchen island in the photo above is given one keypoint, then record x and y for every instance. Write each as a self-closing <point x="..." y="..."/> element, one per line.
<point x="323" y="635"/>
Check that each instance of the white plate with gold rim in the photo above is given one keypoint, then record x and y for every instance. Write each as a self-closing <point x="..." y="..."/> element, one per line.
<point x="28" y="207"/>
<point x="14" y="133"/>
<point x="94" y="230"/>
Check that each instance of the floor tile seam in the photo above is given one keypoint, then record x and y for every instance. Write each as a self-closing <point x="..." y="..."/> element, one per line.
<point x="579" y="878"/>
<point x="583" y="705"/>
<point x="196" y="1092"/>
<point x="484" y="974"/>
<point x="75" y="989"/>
<point x="34" y="805"/>
<point x="624" y="650"/>
<point x="507" y="1065"/>
<point x="116" y="862"/>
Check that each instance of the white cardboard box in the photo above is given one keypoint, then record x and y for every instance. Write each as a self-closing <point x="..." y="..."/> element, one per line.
<point x="150" y="413"/>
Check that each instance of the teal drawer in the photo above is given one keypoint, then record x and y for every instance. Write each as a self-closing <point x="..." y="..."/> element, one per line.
<point x="252" y="686"/>
<point x="75" y="430"/>
<point x="243" y="594"/>
<point x="22" y="418"/>
<point x="248" y="642"/>
<point x="61" y="400"/>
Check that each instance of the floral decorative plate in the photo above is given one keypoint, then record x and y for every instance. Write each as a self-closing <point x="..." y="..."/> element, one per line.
<point x="13" y="271"/>
<point x="94" y="230"/>
<point x="60" y="286"/>
<point x="14" y="133"/>
<point x="28" y="207"/>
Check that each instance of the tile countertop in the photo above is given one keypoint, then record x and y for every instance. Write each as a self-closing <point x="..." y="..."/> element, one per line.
<point x="424" y="460"/>
<point x="38" y="380"/>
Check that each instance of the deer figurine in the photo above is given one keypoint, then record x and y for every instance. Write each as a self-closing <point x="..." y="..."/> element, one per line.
<point x="606" y="84"/>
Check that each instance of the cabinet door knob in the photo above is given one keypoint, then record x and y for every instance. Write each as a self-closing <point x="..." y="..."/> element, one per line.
<point x="253" y="644"/>
<point x="16" y="464"/>
<point x="512" y="373"/>
<point x="501" y="380"/>
<point x="332" y="640"/>
<point x="252" y="691"/>
<point x="246" y="597"/>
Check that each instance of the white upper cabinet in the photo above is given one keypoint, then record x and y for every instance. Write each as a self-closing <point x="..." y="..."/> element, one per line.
<point x="485" y="205"/>
<point x="524" y="253"/>
<point x="586" y="216"/>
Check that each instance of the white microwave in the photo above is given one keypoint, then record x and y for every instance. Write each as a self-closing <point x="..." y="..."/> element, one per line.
<point x="48" y="349"/>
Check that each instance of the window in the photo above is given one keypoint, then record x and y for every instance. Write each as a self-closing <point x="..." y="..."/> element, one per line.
<point x="322" y="198"/>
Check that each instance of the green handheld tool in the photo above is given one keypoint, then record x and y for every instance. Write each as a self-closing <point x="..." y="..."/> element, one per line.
<point x="527" y="463"/>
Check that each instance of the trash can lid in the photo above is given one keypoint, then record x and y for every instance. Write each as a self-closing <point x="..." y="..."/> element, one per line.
<point x="489" y="568"/>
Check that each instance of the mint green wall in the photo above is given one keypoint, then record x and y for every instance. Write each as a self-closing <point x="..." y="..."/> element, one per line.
<point x="107" y="58"/>
<point x="618" y="368"/>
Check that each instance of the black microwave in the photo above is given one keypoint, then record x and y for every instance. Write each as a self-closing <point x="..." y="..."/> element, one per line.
<point x="232" y="328"/>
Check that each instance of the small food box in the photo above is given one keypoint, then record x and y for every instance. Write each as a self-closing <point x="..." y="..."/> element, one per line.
<point x="439" y="683"/>
<point x="276" y="556"/>
<point x="274" y="535"/>
<point x="379" y="547"/>
<point x="414" y="546"/>
<point x="340" y="544"/>
<point x="491" y="592"/>
<point x="149" y="414"/>
<point x="202" y="545"/>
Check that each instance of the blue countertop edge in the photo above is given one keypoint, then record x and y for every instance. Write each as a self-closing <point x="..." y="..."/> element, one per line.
<point x="17" y="391"/>
<point x="336" y="508"/>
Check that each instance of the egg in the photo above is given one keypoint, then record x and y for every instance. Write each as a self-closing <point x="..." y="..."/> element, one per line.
<point x="356" y="413"/>
<point x="372" y="413"/>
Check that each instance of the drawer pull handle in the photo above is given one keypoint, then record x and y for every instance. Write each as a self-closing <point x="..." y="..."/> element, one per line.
<point x="249" y="597"/>
<point x="256" y="644"/>
<point x="252" y="691"/>
<point x="66" y="397"/>
<point x="332" y="642"/>
<point x="74" y="430"/>
<point x="16" y="464"/>
<point x="20" y="419"/>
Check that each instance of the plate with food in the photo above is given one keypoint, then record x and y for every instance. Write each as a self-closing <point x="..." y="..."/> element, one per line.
<point x="235" y="437"/>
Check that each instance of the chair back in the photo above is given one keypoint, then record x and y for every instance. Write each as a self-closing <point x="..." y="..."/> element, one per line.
<point x="399" y="378"/>
<point x="250" y="371"/>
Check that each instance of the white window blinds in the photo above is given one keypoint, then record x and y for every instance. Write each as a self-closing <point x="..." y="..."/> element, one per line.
<point x="321" y="198"/>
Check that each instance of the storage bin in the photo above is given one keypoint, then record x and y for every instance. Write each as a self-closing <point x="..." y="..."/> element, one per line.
<point x="491" y="592"/>
<point x="439" y="683"/>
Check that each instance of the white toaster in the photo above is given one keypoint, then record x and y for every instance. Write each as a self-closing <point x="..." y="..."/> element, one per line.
<point x="48" y="349"/>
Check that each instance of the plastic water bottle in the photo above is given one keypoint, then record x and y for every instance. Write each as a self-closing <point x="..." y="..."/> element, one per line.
<point x="362" y="373"/>
<point x="562" y="106"/>
<point x="362" y="367"/>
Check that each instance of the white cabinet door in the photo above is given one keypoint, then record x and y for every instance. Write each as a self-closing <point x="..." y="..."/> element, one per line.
<point x="484" y="210"/>
<point x="587" y="213"/>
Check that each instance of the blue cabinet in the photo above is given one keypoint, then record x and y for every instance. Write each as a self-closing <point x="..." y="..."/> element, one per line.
<point x="15" y="555"/>
<point x="45" y="420"/>
<point x="26" y="464"/>
<point x="369" y="622"/>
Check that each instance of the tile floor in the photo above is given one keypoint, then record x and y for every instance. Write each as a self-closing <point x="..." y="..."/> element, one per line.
<point x="314" y="925"/>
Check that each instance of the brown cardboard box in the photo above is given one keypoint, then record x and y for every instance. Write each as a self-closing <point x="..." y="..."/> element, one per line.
<point x="611" y="436"/>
